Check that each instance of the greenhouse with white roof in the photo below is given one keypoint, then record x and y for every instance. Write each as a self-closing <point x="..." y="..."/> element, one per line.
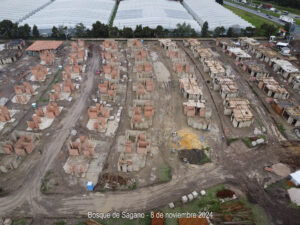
<point x="130" y="13"/>
<point x="152" y="13"/>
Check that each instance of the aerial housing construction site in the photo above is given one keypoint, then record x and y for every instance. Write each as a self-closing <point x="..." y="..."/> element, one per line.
<point x="139" y="125"/>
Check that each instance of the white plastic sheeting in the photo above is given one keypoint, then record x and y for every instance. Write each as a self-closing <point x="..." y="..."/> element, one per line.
<point x="215" y="14"/>
<point x="152" y="13"/>
<point x="71" y="12"/>
<point x="15" y="10"/>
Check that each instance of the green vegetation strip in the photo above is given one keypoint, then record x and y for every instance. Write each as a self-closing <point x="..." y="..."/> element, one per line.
<point x="164" y="173"/>
<point x="255" y="20"/>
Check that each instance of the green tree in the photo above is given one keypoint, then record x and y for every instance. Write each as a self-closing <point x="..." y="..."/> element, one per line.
<point x="159" y="31"/>
<point x="147" y="32"/>
<point x="127" y="32"/>
<point x="268" y="29"/>
<point x="204" y="31"/>
<point x="114" y="32"/>
<point x="35" y="32"/>
<point x="220" y="1"/>
<point x="138" y="32"/>
<point x="219" y="31"/>
<point x="54" y="32"/>
<point x="100" y="30"/>
<point x="230" y="32"/>
<point x="8" y="29"/>
<point x="79" y="30"/>
<point x="23" y="31"/>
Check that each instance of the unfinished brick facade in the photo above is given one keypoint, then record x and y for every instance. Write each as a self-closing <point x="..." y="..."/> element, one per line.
<point x="47" y="57"/>
<point x="24" y="145"/>
<point x="4" y="114"/>
<point x="81" y="146"/>
<point x="39" y="72"/>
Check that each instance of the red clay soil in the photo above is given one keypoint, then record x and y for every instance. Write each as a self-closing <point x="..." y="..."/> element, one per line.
<point x="225" y="193"/>
<point x="156" y="220"/>
<point x="192" y="221"/>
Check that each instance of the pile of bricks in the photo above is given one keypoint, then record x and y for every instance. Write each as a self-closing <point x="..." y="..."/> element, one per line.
<point x="47" y="57"/>
<point x="100" y="114"/>
<point x="22" y="91"/>
<point x="4" y="114"/>
<point x="81" y="146"/>
<point x="23" y="145"/>
<point x="39" y="72"/>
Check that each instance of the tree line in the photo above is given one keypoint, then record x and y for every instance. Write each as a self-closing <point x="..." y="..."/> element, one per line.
<point x="286" y="3"/>
<point x="10" y="30"/>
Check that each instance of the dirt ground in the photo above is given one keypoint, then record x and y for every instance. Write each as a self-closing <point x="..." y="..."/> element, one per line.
<point x="236" y="163"/>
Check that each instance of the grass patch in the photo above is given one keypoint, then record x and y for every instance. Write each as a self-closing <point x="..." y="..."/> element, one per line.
<point x="294" y="205"/>
<point x="164" y="173"/>
<point x="281" y="184"/>
<point x="22" y="221"/>
<point x="255" y="20"/>
<point x="80" y="223"/>
<point x="43" y="99"/>
<point x="209" y="202"/>
<point x="133" y="186"/>
<point x="247" y="142"/>
<point x="230" y="140"/>
<point x="206" y="159"/>
<point x="45" y="181"/>
<point x="281" y="128"/>
<point x="259" y="215"/>
<point x="61" y="223"/>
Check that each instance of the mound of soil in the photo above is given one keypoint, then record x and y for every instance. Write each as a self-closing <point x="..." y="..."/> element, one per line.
<point x="226" y="193"/>
<point x="193" y="156"/>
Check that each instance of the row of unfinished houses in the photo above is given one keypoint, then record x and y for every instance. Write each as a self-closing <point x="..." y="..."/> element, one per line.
<point x="195" y="108"/>
<point x="237" y="108"/>
<point x="135" y="145"/>
<point x="283" y="67"/>
<point x="72" y="73"/>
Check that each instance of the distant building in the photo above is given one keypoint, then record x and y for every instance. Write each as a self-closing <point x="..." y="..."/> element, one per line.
<point x="40" y="46"/>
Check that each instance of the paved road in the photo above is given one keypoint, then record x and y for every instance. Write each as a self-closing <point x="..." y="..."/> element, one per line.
<point x="274" y="19"/>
